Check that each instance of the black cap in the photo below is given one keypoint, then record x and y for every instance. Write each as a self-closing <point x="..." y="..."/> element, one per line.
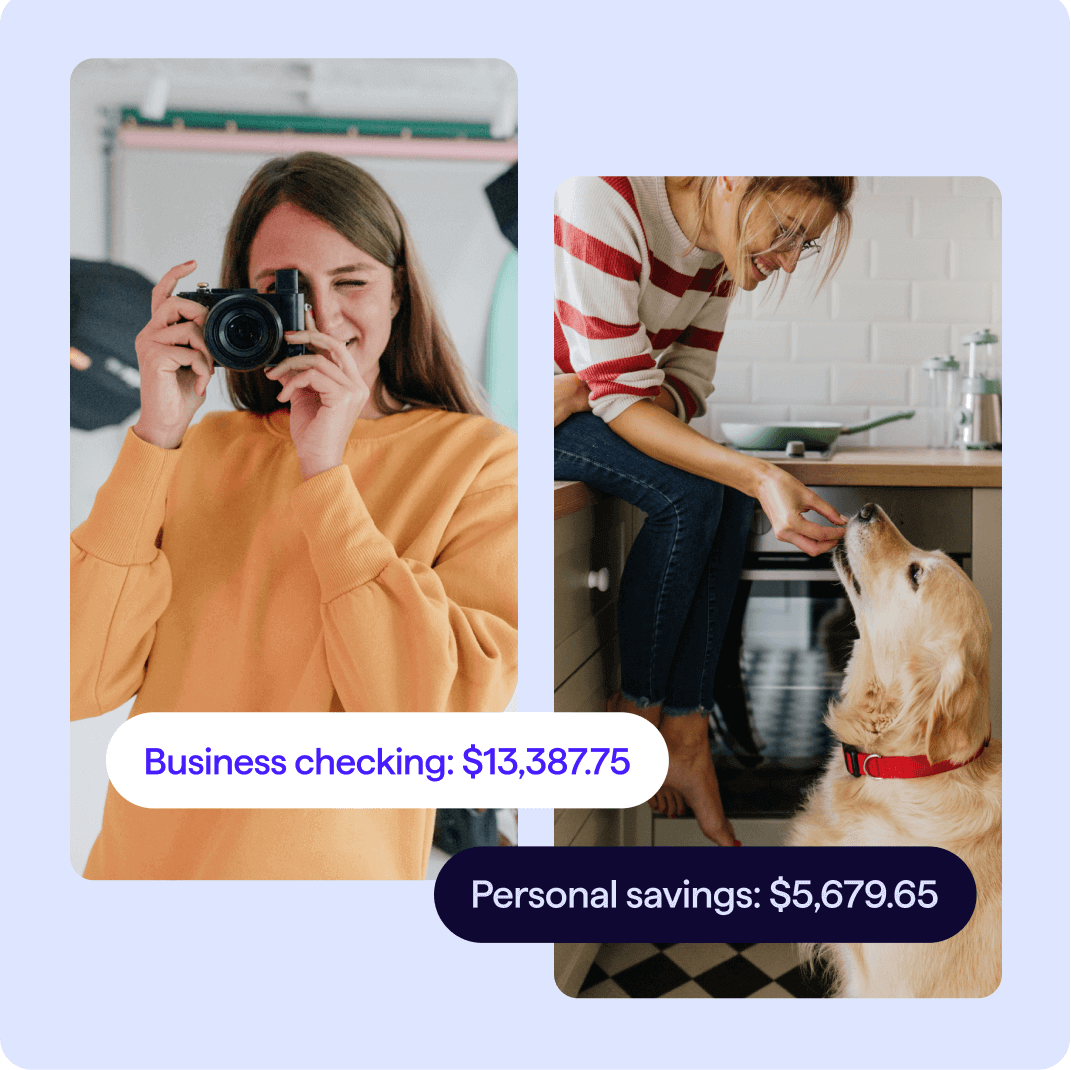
<point x="110" y="304"/>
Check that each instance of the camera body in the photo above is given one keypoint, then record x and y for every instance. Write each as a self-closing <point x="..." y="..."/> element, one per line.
<point x="244" y="329"/>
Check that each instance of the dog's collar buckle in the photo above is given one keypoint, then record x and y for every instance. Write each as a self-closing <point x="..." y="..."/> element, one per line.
<point x="851" y="759"/>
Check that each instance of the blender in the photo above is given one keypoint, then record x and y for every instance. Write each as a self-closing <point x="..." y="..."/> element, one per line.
<point x="979" y="418"/>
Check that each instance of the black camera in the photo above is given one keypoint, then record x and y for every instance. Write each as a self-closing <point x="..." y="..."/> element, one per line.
<point x="244" y="329"/>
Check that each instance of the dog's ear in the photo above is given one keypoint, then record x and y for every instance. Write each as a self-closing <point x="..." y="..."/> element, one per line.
<point x="957" y="717"/>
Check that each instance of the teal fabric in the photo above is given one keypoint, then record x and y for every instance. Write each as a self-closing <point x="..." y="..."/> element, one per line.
<point x="502" y="344"/>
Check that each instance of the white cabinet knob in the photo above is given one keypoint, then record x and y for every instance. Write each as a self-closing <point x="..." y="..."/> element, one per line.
<point x="600" y="579"/>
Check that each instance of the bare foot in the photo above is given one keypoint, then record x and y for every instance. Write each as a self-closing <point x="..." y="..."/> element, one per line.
<point x="691" y="773"/>
<point x="666" y="801"/>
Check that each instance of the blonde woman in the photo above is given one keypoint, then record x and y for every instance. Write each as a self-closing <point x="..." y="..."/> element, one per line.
<point x="645" y="271"/>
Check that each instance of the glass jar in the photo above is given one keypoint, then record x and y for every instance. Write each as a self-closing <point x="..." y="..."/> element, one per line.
<point x="939" y="393"/>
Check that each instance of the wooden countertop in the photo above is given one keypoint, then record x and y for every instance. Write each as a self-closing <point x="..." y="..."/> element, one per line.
<point x="904" y="466"/>
<point x="863" y="466"/>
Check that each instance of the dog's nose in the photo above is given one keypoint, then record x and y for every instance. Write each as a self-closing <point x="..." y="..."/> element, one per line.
<point x="868" y="511"/>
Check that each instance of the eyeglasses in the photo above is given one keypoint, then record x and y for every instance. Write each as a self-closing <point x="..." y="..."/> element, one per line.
<point x="794" y="241"/>
<point x="791" y="241"/>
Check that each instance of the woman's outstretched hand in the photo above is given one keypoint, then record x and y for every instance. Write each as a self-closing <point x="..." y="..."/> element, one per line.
<point x="784" y="499"/>
<point x="570" y="395"/>
<point x="173" y="361"/>
<point x="326" y="395"/>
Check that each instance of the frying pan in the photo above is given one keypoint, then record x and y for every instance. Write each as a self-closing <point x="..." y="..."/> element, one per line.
<point x="814" y="435"/>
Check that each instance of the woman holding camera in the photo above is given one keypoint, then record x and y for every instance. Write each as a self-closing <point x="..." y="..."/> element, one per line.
<point x="645" y="271"/>
<point x="346" y="540"/>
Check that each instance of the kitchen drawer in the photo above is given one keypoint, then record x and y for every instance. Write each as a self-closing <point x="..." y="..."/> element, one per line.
<point x="567" y="824"/>
<point x="586" y="667"/>
<point x="587" y="689"/>
<point x="588" y="828"/>
<point x="751" y="831"/>
<point x="584" y="542"/>
<point x="593" y="634"/>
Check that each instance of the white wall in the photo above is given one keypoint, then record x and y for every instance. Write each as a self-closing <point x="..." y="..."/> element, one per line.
<point x="463" y="90"/>
<point x="923" y="269"/>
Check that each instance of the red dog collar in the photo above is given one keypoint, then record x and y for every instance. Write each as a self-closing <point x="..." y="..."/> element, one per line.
<point x="899" y="767"/>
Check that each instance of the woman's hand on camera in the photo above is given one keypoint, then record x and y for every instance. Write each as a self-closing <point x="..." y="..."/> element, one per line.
<point x="173" y="361"/>
<point x="326" y="395"/>
<point x="784" y="499"/>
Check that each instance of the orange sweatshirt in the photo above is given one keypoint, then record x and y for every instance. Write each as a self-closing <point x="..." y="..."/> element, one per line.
<point x="211" y="577"/>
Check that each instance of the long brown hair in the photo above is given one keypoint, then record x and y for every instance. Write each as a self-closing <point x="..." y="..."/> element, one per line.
<point x="836" y="192"/>
<point x="420" y="366"/>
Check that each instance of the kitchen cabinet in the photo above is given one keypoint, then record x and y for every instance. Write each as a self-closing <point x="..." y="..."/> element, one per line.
<point x="584" y="828"/>
<point x="591" y="541"/>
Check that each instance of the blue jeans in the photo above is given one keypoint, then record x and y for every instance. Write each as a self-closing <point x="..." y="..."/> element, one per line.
<point x="681" y="575"/>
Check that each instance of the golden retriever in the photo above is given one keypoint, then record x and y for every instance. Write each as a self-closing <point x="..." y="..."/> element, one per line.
<point x="917" y="684"/>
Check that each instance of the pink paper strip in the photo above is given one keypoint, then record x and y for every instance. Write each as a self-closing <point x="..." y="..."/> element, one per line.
<point x="255" y="142"/>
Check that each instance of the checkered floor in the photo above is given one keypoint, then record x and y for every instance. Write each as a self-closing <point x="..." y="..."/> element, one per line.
<point x="699" y="971"/>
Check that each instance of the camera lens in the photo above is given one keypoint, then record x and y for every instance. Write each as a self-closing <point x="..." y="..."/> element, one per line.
<point x="243" y="332"/>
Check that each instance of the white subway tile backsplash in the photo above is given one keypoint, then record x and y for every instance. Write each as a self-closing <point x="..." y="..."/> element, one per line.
<point x="975" y="187"/>
<point x="912" y="258"/>
<point x="795" y="383"/>
<point x="806" y="278"/>
<point x="871" y="300"/>
<point x="733" y="381"/>
<point x="954" y="217"/>
<point x="855" y="265"/>
<point x="845" y="415"/>
<point x="799" y="302"/>
<point x="755" y="414"/>
<point x="881" y="217"/>
<point x="947" y="301"/>
<point x="912" y="432"/>
<point x="976" y="259"/>
<point x="909" y="343"/>
<point x="916" y="384"/>
<point x="914" y="187"/>
<point x="870" y="384"/>
<point x="831" y="342"/>
<point x="751" y="340"/>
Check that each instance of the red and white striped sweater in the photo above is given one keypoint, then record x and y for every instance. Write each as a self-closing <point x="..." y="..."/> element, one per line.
<point x="634" y="310"/>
